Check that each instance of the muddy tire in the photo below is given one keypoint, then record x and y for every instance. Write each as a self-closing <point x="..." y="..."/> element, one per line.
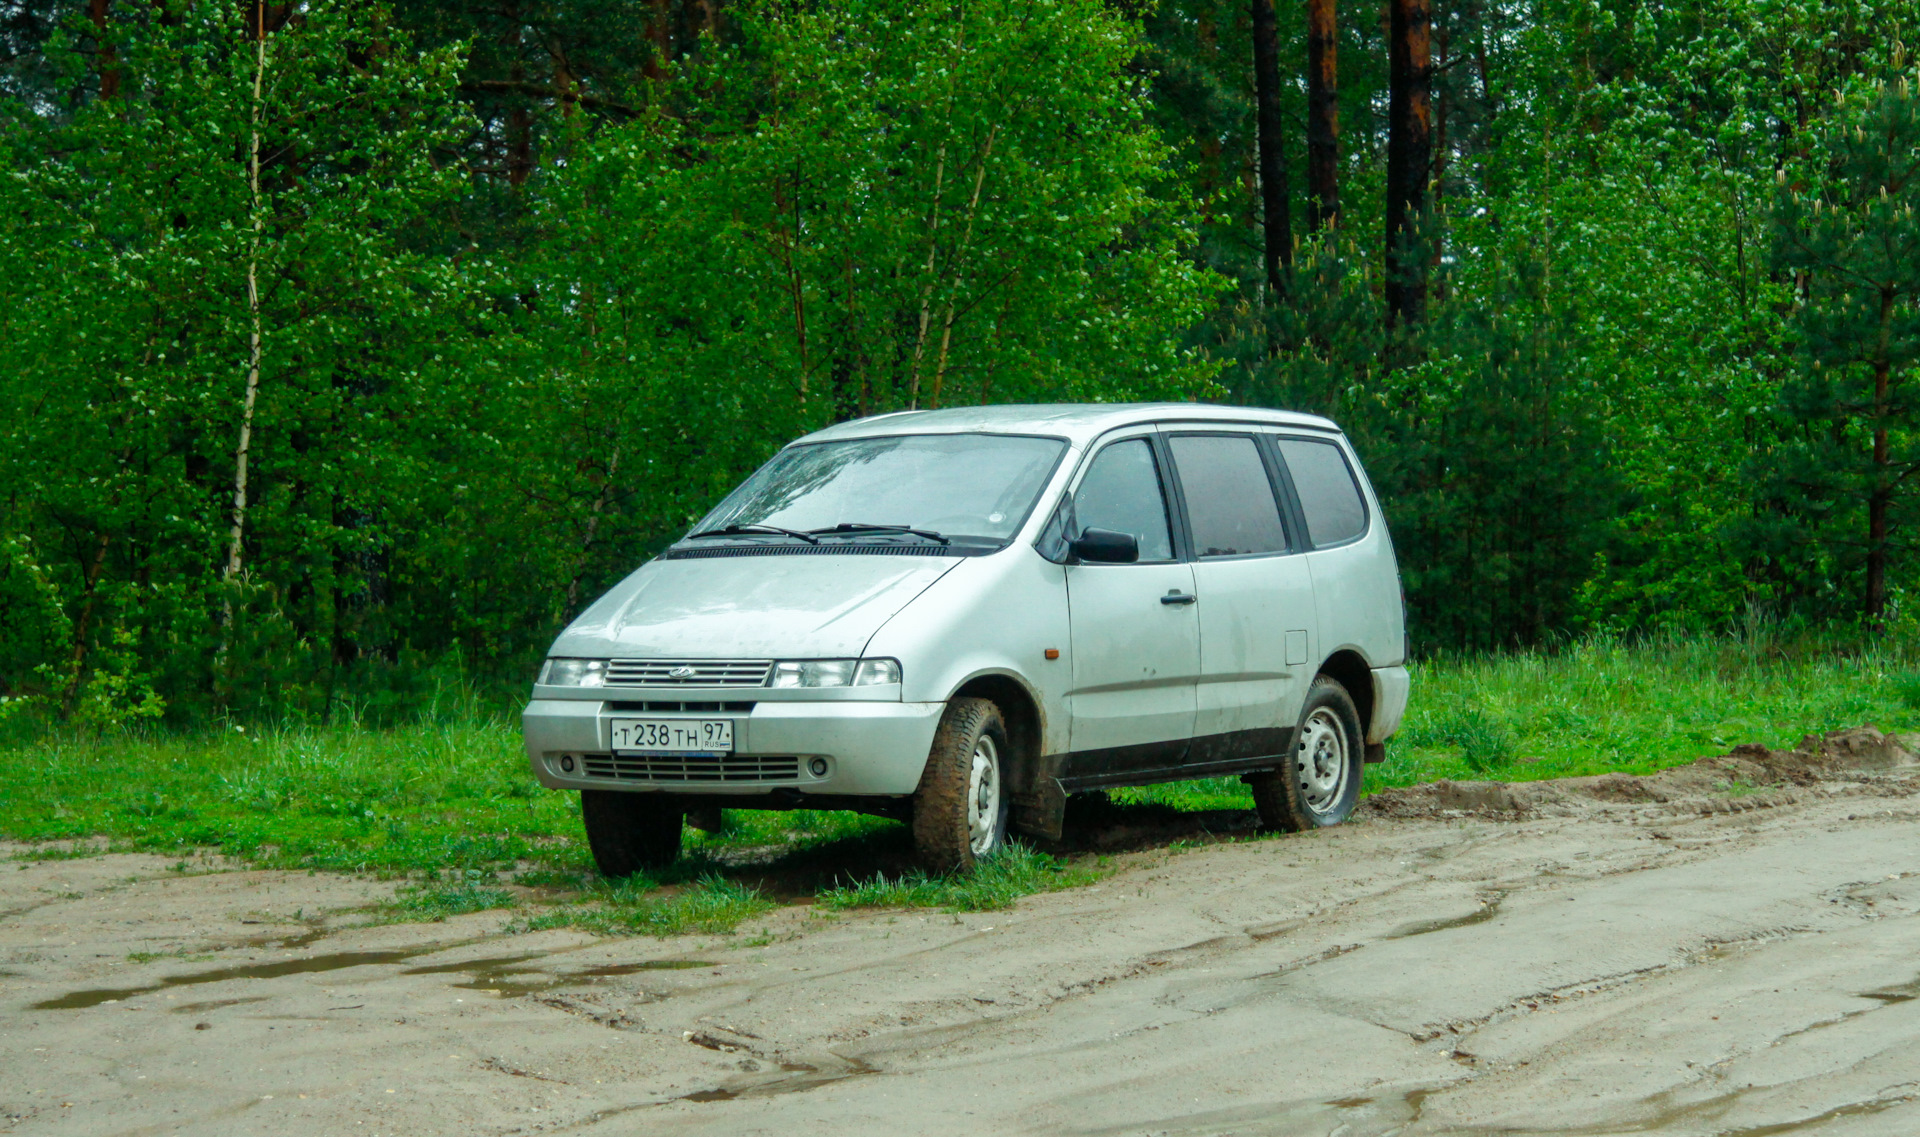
<point x="630" y="832"/>
<point x="960" y="809"/>
<point x="1322" y="783"/>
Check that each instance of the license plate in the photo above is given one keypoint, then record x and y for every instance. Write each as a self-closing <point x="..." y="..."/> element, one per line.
<point x="673" y="736"/>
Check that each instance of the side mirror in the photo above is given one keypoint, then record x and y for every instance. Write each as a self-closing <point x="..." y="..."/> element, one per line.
<point x="1106" y="547"/>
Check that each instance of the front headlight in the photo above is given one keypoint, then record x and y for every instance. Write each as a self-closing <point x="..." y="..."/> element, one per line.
<point x="574" y="673"/>
<point x="834" y="673"/>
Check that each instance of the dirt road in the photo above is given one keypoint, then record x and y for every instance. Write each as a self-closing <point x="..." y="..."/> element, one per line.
<point x="1686" y="954"/>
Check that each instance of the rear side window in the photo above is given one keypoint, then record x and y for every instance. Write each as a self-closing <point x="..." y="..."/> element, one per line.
<point x="1121" y="492"/>
<point x="1328" y="494"/>
<point x="1230" y="501"/>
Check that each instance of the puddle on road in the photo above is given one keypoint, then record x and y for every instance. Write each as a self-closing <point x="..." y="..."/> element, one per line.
<point x="645" y="965"/>
<point x="1904" y="993"/>
<point x="214" y="1005"/>
<point x="1487" y="911"/>
<point x="314" y="933"/>
<point x="502" y="975"/>
<point x="79" y="1000"/>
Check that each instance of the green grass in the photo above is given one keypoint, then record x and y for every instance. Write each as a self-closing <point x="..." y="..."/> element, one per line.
<point x="712" y="904"/>
<point x="450" y="804"/>
<point x="1600" y="706"/>
<point x="447" y="797"/>
<point x="435" y="900"/>
<point x="1018" y="871"/>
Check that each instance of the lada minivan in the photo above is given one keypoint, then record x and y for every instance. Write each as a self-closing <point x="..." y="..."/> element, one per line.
<point x="958" y="617"/>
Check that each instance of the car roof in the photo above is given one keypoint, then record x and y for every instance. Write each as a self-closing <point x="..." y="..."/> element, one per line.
<point x="1080" y="423"/>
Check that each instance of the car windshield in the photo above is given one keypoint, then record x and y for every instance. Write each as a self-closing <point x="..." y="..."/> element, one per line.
<point x="950" y="486"/>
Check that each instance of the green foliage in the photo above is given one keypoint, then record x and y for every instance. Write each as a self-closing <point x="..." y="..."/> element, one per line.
<point x="476" y="411"/>
<point x="1841" y="505"/>
<point x="124" y="280"/>
<point x="538" y="283"/>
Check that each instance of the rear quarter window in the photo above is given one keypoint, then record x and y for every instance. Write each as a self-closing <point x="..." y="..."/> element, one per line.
<point x="1329" y="494"/>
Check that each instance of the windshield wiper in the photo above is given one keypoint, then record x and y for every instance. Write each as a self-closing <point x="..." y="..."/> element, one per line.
<point x="751" y="530"/>
<point x="853" y="527"/>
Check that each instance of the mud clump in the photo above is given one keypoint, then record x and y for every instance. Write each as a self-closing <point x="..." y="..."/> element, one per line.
<point x="1747" y="777"/>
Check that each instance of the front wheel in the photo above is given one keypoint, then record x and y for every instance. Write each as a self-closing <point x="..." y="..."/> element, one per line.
<point x="960" y="809"/>
<point x="631" y="832"/>
<point x="1320" y="785"/>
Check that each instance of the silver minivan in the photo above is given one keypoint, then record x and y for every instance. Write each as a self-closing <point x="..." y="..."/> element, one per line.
<point x="958" y="617"/>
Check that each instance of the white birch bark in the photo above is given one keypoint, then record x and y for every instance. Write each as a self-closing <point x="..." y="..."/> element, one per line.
<point x="253" y="314"/>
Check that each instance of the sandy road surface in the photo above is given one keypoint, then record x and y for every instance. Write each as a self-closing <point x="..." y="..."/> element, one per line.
<point x="1598" y="962"/>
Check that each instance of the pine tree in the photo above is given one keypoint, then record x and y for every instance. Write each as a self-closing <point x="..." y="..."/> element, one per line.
<point x="1843" y="483"/>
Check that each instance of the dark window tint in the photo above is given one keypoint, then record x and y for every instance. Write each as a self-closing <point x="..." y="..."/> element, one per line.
<point x="1335" y="511"/>
<point x="1121" y="492"/>
<point x="1230" y="501"/>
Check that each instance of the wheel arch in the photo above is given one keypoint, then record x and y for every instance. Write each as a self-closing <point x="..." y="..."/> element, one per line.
<point x="1026" y="721"/>
<point x="1350" y="669"/>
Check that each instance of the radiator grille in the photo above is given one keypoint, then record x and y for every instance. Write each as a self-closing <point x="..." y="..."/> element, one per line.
<point x="693" y="672"/>
<point x="693" y="768"/>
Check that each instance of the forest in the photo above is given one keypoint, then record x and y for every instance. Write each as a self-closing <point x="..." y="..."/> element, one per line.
<point x="348" y="345"/>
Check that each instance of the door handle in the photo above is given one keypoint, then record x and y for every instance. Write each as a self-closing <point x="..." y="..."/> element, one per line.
<point x="1176" y="596"/>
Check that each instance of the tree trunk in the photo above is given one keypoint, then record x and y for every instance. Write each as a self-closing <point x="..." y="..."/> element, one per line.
<point x="1880" y="497"/>
<point x="77" y="665"/>
<point x="519" y="118"/>
<point x="1323" y="116"/>
<point x="1276" y="222"/>
<point x="1439" y="182"/>
<point x="238" y="533"/>
<point x="109" y="74"/>
<point x="1409" y="29"/>
<point x="660" y="35"/>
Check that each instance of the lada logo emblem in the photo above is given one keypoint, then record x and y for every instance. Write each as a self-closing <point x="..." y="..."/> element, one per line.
<point x="681" y="673"/>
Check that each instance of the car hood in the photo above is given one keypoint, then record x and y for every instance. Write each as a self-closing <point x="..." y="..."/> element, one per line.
<point x="750" y="607"/>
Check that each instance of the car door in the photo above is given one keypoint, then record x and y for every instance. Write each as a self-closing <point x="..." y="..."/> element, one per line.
<point x="1256" y="609"/>
<point x="1134" y="629"/>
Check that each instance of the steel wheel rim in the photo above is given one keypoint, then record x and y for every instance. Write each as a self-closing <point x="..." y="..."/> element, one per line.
<point x="1320" y="761"/>
<point x="983" y="797"/>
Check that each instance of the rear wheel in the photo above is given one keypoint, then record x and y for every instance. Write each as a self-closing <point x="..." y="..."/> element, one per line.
<point x="1321" y="783"/>
<point x="960" y="809"/>
<point x="631" y="832"/>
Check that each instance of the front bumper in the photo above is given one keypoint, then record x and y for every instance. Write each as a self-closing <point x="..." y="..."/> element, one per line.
<point x="868" y="747"/>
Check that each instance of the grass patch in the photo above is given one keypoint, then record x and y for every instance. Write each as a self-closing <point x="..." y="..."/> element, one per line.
<point x="433" y="900"/>
<point x="1601" y="705"/>
<point x="443" y="796"/>
<point x="713" y="905"/>
<point x="450" y="803"/>
<point x="1018" y="871"/>
<point x="182" y="954"/>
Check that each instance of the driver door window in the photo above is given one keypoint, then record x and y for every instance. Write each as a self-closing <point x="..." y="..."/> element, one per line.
<point x="1121" y="492"/>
